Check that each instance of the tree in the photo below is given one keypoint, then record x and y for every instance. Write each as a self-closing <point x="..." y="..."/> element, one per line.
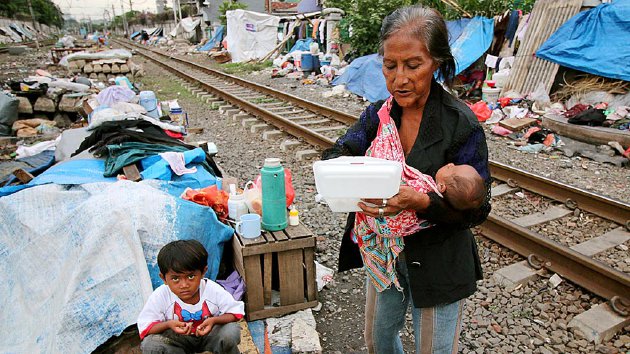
<point x="46" y="12"/>
<point x="227" y="6"/>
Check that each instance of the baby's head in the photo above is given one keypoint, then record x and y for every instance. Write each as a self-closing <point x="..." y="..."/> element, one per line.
<point x="461" y="185"/>
<point x="182" y="265"/>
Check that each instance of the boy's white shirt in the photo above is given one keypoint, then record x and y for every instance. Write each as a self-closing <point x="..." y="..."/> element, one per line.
<point x="161" y="305"/>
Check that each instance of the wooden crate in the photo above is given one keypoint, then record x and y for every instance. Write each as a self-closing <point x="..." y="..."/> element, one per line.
<point x="255" y="260"/>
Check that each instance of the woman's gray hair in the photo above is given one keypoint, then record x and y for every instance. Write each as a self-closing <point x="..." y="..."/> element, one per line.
<point x="427" y="25"/>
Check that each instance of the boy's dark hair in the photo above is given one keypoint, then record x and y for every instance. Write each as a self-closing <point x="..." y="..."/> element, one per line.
<point x="182" y="255"/>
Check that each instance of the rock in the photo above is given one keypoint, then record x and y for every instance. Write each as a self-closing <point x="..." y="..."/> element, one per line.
<point x="45" y="104"/>
<point x="124" y="68"/>
<point x="304" y="338"/>
<point x="106" y="69"/>
<point x="93" y="76"/>
<point x="115" y="69"/>
<point x="102" y="77"/>
<point x="97" y="68"/>
<point x="62" y="120"/>
<point x="25" y="106"/>
<point x="88" y="69"/>
<point x="68" y="104"/>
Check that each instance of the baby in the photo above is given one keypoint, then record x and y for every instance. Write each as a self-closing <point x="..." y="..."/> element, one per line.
<point x="380" y="240"/>
<point x="189" y="313"/>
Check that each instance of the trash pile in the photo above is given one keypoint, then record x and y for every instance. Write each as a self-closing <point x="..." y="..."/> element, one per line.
<point x="535" y="123"/>
<point x="43" y="103"/>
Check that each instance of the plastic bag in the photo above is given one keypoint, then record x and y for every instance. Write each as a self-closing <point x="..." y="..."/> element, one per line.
<point x="253" y="197"/>
<point x="288" y="186"/>
<point x="481" y="110"/>
<point x="210" y="196"/>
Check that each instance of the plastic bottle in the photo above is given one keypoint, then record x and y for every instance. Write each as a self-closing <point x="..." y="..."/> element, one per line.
<point x="274" y="210"/>
<point x="236" y="204"/>
<point x="294" y="217"/>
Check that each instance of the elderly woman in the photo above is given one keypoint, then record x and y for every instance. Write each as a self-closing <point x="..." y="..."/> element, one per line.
<point x="438" y="267"/>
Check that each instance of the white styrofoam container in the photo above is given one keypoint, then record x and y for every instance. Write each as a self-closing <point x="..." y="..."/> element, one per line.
<point x="344" y="181"/>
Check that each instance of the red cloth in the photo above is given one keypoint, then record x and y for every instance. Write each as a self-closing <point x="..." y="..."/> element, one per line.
<point x="173" y="134"/>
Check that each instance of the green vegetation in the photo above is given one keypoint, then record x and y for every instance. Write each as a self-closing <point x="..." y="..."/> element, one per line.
<point x="165" y="87"/>
<point x="45" y="11"/>
<point x="364" y="16"/>
<point x="263" y="100"/>
<point x="227" y="6"/>
<point x="244" y="68"/>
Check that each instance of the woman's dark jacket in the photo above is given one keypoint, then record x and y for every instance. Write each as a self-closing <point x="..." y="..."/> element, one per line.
<point x="442" y="260"/>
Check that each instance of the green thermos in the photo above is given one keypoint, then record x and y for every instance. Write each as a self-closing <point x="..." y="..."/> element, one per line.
<point x="274" y="199"/>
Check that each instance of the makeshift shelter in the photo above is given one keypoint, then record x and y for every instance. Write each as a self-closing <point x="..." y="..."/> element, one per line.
<point x="186" y="28"/>
<point x="468" y="38"/>
<point x="212" y="42"/>
<point x="250" y="35"/>
<point x="592" y="41"/>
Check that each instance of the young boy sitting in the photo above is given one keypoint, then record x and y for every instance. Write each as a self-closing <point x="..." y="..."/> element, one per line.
<point x="189" y="313"/>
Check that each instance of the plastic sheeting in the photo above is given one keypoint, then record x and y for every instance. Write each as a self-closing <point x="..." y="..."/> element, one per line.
<point x="468" y="38"/>
<point x="107" y="54"/>
<point x="77" y="275"/>
<point x="364" y="77"/>
<point x="250" y="35"/>
<point x="218" y="36"/>
<point x="473" y="40"/>
<point x="593" y="41"/>
<point x="186" y="27"/>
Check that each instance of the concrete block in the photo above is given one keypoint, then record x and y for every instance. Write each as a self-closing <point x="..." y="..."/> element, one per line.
<point x="45" y="104"/>
<point x="25" y="106"/>
<point x="271" y="134"/>
<point x="224" y="108"/>
<point x="306" y="154"/>
<point x="304" y="338"/>
<point x="502" y="189"/>
<point x="248" y="121"/>
<point x="216" y="104"/>
<point x="240" y="116"/>
<point x="602" y="243"/>
<point x="256" y="127"/>
<point x="288" y="144"/>
<point x="232" y="112"/>
<point x="599" y="324"/>
<point x="69" y="104"/>
<point x="552" y="213"/>
<point x="514" y="275"/>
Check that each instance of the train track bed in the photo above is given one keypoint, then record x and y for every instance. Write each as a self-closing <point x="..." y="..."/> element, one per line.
<point x="528" y="318"/>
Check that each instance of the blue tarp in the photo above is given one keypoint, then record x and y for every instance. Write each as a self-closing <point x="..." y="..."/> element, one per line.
<point x="364" y="77"/>
<point x="594" y="41"/>
<point x="218" y="36"/>
<point x="468" y="38"/>
<point x="302" y="44"/>
<point x="472" y="41"/>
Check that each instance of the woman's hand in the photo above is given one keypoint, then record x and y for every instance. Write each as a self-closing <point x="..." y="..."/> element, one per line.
<point x="406" y="199"/>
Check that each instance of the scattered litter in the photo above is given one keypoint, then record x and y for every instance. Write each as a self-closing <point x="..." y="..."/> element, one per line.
<point x="555" y="280"/>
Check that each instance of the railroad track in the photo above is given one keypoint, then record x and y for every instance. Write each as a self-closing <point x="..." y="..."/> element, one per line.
<point x="320" y="126"/>
<point x="30" y="44"/>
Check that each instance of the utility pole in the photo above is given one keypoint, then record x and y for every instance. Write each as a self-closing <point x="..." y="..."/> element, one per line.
<point x="113" y="19"/>
<point x="130" y="7"/>
<point x="30" y="8"/>
<point x="124" y="16"/>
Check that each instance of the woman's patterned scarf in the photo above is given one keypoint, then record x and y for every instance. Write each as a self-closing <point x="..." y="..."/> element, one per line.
<point x="380" y="240"/>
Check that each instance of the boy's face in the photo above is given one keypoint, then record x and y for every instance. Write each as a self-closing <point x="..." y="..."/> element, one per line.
<point x="185" y="284"/>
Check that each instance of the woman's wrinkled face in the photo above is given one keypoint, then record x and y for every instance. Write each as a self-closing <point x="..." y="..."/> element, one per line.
<point x="408" y="68"/>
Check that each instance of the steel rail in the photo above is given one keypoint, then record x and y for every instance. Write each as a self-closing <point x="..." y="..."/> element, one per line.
<point x="605" y="207"/>
<point x="586" y="272"/>
<point x="284" y="124"/>
<point x="310" y="105"/>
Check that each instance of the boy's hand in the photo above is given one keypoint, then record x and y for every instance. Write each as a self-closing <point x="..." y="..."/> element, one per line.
<point x="180" y="327"/>
<point x="205" y="327"/>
